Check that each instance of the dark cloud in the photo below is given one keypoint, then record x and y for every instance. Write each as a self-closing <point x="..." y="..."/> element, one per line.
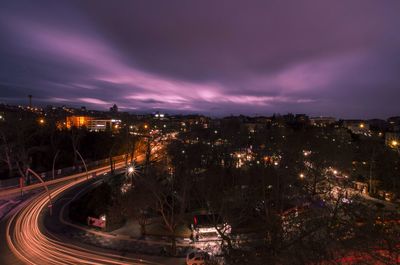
<point x="217" y="57"/>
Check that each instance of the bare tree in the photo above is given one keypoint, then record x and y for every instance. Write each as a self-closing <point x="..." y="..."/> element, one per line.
<point x="76" y="137"/>
<point x="6" y="150"/>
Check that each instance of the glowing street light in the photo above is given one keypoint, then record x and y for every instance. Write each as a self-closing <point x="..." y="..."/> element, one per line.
<point x="301" y="176"/>
<point x="41" y="121"/>
<point x="146" y="126"/>
<point x="394" y="143"/>
<point x="103" y="217"/>
<point x="131" y="169"/>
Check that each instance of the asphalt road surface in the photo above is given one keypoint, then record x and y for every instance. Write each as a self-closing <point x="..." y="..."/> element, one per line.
<point x="24" y="240"/>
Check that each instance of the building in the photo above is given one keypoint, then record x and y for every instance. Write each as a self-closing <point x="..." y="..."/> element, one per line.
<point x="357" y="127"/>
<point x="160" y="116"/>
<point x="394" y="124"/>
<point x="322" y="121"/>
<point x="97" y="125"/>
<point x="78" y="121"/>
<point x="302" y="119"/>
<point x="378" y="125"/>
<point x="93" y="124"/>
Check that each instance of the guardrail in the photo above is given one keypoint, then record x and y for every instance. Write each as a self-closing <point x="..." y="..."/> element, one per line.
<point x="90" y="174"/>
<point x="59" y="173"/>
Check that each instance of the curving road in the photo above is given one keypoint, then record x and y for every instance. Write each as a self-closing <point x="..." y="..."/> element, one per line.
<point x="27" y="242"/>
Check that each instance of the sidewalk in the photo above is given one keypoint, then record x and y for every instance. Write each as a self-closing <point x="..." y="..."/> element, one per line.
<point x="10" y="202"/>
<point x="6" y="206"/>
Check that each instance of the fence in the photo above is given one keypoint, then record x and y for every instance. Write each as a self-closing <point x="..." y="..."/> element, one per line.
<point x="62" y="172"/>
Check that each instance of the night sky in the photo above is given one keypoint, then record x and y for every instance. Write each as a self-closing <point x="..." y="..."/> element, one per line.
<point x="332" y="58"/>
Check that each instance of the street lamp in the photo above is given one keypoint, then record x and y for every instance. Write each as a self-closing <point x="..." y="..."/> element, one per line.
<point x="131" y="169"/>
<point x="301" y="175"/>
<point x="103" y="217"/>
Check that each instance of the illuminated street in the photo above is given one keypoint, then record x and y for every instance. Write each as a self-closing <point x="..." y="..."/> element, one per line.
<point x="205" y="132"/>
<point x="27" y="241"/>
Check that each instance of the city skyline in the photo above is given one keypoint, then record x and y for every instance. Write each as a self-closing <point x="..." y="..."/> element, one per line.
<point x="199" y="132"/>
<point x="210" y="58"/>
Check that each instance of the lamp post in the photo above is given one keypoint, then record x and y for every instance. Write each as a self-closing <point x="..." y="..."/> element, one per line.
<point x="130" y="172"/>
<point x="87" y="173"/>
<point x="28" y="170"/>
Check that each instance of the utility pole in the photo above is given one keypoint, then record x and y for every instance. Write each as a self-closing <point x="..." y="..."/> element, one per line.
<point x="30" y="101"/>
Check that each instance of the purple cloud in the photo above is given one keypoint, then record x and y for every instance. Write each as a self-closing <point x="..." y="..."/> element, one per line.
<point x="323" y="59"/>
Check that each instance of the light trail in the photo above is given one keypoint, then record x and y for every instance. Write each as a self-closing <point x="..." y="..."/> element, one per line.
<point x="31" y="246"/>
